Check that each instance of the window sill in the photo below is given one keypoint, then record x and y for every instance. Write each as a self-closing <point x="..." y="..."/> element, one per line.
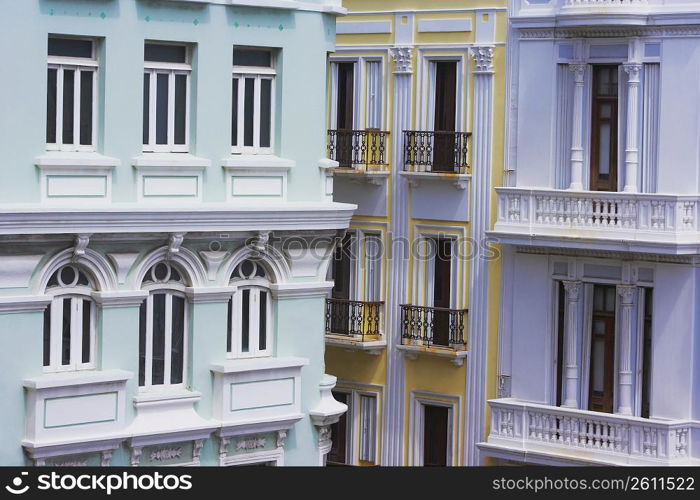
<point x="165" y="396"/>
<point x="267" y="162"/>
<point x="68" y="379"/>
<point x="374" y="346"/>
<point x="176" y="161"/>
<point x="255" y="364"/>
<point x="412" y="351"/>
<point x="460" y="181"/>
<point x="62" y="160"/>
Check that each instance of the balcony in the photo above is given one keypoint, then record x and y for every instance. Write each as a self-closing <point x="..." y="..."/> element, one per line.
<point x="632" y="222"/>
<point x="434" y="331"/>
<point x="563" y="436"/>
<point x="436" y="156"/>
<point x="361" y="154"/>
<point x="354" y="325"/>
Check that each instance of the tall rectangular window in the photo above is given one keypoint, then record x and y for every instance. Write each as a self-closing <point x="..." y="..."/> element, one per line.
<point x="368" y="428"/>
<point x="604" y="128"/>
<point x="70" y="95"/>
<point x="253" y="101"/>
<point x="166" y="91"/>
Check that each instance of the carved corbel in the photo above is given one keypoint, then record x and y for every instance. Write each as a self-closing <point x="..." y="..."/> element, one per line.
<point x="174" y="243"/>
<point x="79" y="246"/>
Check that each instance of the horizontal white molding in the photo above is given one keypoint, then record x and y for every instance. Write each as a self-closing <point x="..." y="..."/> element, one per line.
<point x="425" y="11"/>
<point x="52" y="380"/>
<point x="299" y="290"/>
<point x="59" y="159"/>
<point x="330" y="7"/>
<point x="362" y="27"/>
<point x="167" y="161"/>
<point x="126" y="298"/>
<point x="253" y="162"/>
<point x="254" y="364"/>
<point x="198" y="295"/>
<point x="327" y="163"/>
<point x="444" y="25"/>
<point x="23" y="303"/>
<point x="169" y="217"/>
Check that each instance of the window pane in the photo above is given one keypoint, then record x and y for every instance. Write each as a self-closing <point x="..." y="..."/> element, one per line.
<point x="86" y="331"/>
<point x="262" y="333"/>
<point x="245" y="321"/>
<point x="178" y="340"/>
<point x="158" y="364"/>
<point x="51" y="107"/>
<point x="165" y="53"/>
<point x="234" y="113"/>
<point x="146" y="105"/>
<point x="68" y="47"/>
<point x="252" y="57"/>
<point x="142" y="344"/>
<point x="65" y="333"/>
<point x="265" y="112"/>
<point x="249" y="111"/>
<point x="229" y="333"/>
<point x="604" y="150"/>
<point x="368" y="411"/>
<point x="47" y="335"/>
<point x="68" y="93"/>
<point x="86" y="107"/>
<point x="162" y="108"/>
<point x="180" y="108"/>
<point x="598" y="363"/>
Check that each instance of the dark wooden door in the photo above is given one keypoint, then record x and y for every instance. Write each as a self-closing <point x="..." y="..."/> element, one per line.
<point x="342" y="267"/>
<point x="336" y="456"/>
<point x="435" y="435"/>
<point x="445" y="115"/>
<point x="441" y="291"/>
<point x="604" y="129"/>
<point x="344" y="113"/>
<point x="646" y="354"/>
<point x="602" y="363"/>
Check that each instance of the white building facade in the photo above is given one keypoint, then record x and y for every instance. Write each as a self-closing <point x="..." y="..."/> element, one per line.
<point x="599" y="350"/>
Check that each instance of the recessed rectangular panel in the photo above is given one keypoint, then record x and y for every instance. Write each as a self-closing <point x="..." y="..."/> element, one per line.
<point x="257" y="186"/>
<point x="58" y="186"/>
<point x="444" y="25"/>
<point x="362" y="27"/>
<point x="80" y="410"/>
<point x="262" y="394"/>
<point x="185" y="186"/>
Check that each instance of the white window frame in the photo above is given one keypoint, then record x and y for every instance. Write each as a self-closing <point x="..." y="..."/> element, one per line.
<point x="79" y="65"/>
<point x="76" y="295"/>
<point x="419" y="400"/>
<point x="170" y="290"/>
<point x="255" y="286"/>
<point x="372" y="266"/>
<point x="153" y="69"/>
<point x="354" y="420"/>
<point x="368" y="431"/>
<point x="258" y="73"/>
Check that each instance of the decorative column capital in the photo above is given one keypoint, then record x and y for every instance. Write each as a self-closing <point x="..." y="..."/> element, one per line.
<point x="579" y="70"/>
<point x="483" y="58"/>
<point x="402" y="57"/>
<point x="626" y="292"/>
<point x="573" y="290"/>
<point x="633" y="70"/>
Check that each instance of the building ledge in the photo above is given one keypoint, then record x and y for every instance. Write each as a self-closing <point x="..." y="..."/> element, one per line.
<point x="370" y="344"/>
<point x="257" y="364"/>
<point x="257" y="162"/>
<point x="459" y="181"/>
<point x="165" y="161"/>
<point x="60" y="160"/>
<point x="76" y="378"/>
<point x="457" y="356"/>
<point x="374" y="177"/>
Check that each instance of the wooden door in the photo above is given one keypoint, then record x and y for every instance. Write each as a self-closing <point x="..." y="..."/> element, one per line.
<point x="445" y="115"/>
<point x="602" y="362"/>
<point x="441" y="291"/>
<point x="342" y="268"/>
<point x="344" y="113"/>
<point x="604" y="128"/>
<point x="435" y="435"/>
<point x="336" y="456"/>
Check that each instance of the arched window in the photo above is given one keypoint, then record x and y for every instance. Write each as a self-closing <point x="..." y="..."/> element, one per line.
<point x="163" y="328"/>
<point x="249" y="312"/>
<point x="69" y="321"/>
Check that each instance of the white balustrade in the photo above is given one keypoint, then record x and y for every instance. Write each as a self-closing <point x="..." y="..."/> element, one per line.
<point x="605" y="3"/>
<point x="596" y="436"/>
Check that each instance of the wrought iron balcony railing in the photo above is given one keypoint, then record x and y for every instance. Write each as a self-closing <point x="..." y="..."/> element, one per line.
<point x="359" y="149"/>
<point x="433" y="326"/>
<point x="353" y="318"/>
<point x="436" y="151"/>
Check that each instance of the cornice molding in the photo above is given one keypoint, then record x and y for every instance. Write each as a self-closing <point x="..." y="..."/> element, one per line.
<point x="119" y="298"/>
<point x="23" y="303"/>
<point x="609" y="32"/>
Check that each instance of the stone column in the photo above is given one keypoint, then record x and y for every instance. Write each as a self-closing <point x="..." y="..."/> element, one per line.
<point x="624" y="375"/>
<point x="482" y="165"/>
<point x="571" y="343"/>
<point x="631" y="148"/>
<point x="579" y="70"/>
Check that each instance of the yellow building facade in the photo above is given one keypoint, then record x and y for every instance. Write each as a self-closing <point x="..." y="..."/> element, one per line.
<point x="416" y="96"/>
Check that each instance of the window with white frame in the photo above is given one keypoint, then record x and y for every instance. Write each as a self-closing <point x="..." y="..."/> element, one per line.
<point x="354" y="436"/>
<point x="71" y="95"/>
<point x="166" y="97"/>
<point x="368" y="428"/>
<point x="163" y="329"/>
<point x="69" y="322"/>
<point x="253" y="101"/>
<point x="249" y="312"/>
<point x="374" y="94"/>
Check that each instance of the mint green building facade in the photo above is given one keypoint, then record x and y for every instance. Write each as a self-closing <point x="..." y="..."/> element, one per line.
<point x="166" y="224"/>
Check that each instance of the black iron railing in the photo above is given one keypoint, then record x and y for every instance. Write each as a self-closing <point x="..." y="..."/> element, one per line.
<point x="433" y="326"/>
<point x="358" y="149"/>
<point x="436" y="151"/>
<point x="353" y="318"/>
